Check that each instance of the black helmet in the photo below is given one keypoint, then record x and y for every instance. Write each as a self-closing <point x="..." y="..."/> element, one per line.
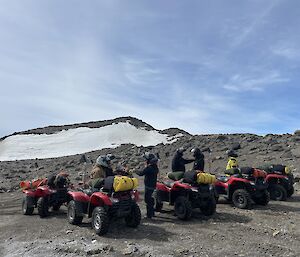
<point x="231" y="153"/>
<point x="150" y="158"/>
<point x="181" y="150"/>
<point x="196" y="152"/>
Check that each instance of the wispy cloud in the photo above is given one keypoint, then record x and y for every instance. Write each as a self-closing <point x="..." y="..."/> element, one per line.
<point x="287" y="51"/>
<point x="239" y="83"/>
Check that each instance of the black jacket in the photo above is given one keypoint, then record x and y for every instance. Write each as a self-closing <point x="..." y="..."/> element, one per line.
<point x="150" y="173"/>
<point x="199" y="163"/>
<point x="108" y="172"/>
<point x="178" y="162"/>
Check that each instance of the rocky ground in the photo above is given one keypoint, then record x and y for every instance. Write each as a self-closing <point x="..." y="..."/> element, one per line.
<point x="262" y="231"/>
<point x="273" y="230"/>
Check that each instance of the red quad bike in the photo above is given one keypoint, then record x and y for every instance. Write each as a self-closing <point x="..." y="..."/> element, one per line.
<point x="245" y="188"/>
<point x="185" y="197"/>
<point x="44" y="197"/>
<point x="281" y="182"/>
<point x="103" y="207"/>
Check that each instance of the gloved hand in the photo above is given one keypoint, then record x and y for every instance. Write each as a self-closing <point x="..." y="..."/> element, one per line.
<point x="131" y="171"/>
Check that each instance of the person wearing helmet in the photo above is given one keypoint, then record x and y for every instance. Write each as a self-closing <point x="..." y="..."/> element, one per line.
<point x="104" y="162"/>
<point x="123" y="170"/>
<point x="178" y="165"/>
<point x="150" y="172"/>
<point x="199" y="159"/>
<point x="232" y="166"/>
<point x="101" y="170"/>
<point x="59" y="180"/>
<point x="178" y="162"/>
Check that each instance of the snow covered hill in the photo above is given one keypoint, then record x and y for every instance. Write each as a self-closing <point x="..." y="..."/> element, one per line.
<point x="78" y="140"/>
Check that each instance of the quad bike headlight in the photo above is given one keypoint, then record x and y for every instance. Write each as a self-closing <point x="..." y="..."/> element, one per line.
<point x="287" y="170"/>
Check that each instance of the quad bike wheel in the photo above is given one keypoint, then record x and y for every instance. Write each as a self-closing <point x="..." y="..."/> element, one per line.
<point x="42" y="206"/>
<point x="134" y="219"/>
<point x="278" y="192"/>
<point x="100" y="221"/>
<point x="241" y="199"/>
<point x="73" y="216"/>
<point x="183" y="208"/>
<point x="210" y="207"/>
<point x="26" y="209"/>
<point x="158" y="203"/>
<point x="290" y="192"/>
<point x="264" y="199"/>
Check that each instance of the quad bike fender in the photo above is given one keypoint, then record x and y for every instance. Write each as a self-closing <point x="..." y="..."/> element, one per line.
<point x="100" y="199"/>
<point x="221" y="184"/>
<point x="179" y="186"/>
<point x="79" y="196"/>
<point x="31" y="193"/>
<point x="239" y="185"/>
<point x="275" y="178"/>
<point x="41" y="191"/>
<point x="235" y="180"/>
<point x="45" y="190"/>
<point x="162" y="187"/>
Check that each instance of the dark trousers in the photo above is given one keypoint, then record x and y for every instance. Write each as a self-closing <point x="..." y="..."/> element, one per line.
<point x="149" y="200"/>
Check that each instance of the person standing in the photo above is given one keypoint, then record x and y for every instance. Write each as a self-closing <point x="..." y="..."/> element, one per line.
<point x="150" y="173"/>
<point x="199" y="159"/>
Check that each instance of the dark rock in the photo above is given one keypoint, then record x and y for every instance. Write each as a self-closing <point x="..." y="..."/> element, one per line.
<point x="222" y="137"/>
<point x="236" y="146"/>
<point x="287" y="154"/>
<point x="277" y="148"/>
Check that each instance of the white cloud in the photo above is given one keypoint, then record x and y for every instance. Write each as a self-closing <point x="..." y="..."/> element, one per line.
<point x="286" y="50"/>
<point x="240" y="83"/>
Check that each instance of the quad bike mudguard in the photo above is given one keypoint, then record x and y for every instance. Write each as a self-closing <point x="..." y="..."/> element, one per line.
<point x="79" y="196"/>
<point x="41" y="191"/>
<point x="100" y="199"/>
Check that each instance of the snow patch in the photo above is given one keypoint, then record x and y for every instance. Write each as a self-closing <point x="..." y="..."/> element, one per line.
<point x="77" y="141"/>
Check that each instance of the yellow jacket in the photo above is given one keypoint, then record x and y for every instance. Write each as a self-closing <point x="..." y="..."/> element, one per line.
<point x="232" y="163"/>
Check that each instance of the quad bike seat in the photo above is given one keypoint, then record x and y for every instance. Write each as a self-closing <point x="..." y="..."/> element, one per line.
<point x="168" y="183"/>
<point x="223" y="178"/>
<point x="89" y="191"/>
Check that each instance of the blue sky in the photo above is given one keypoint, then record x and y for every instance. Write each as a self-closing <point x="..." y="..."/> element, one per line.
<point x="203" y="66"/>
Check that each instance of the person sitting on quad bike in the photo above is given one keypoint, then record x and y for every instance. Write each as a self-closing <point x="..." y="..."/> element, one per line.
<point x="232" y="166"/>
<point x="150" y="172"/>
<point x="199" y="159"/>
<point x="59" y="180"/>
<point x="123" y="170"/>
<point x="178" y="164"/>
<point x="101" y="170"/>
